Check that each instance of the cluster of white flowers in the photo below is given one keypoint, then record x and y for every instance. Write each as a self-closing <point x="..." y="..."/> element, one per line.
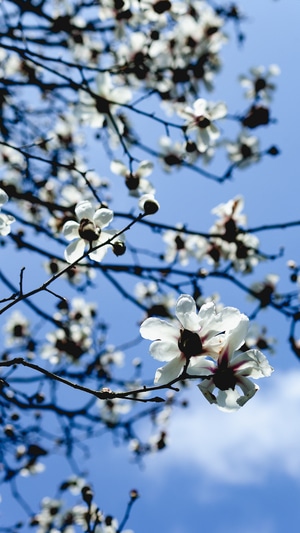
<point x="259" y="84"/>
<point x="75" y="336"/>
<point x="5" y="220"/>
<point x="54" y="517"/>
<point x="228" y="240"/>
<point x="207" y="344"/>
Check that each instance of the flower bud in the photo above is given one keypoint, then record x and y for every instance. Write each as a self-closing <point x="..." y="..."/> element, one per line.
<point x="119" y="248"/>
<point x="148" y="204"/>
<point x="87" y="494"/>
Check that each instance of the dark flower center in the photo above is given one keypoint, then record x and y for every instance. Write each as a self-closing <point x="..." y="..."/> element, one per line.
<point x="225" y="379"/>
<point x="260" y="84"/>
<point x="88" y="231"/>
<point x="202" y="122"/>
<point x="179" y="243"/>
<point x="245" y="151"/>
<point x="190" y="343"/>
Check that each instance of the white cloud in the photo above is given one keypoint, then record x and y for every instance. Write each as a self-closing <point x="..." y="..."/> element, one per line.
<point x="261" y="439"/>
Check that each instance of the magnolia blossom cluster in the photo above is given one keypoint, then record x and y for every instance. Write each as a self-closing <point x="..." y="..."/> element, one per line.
<point x="54" y="517"/>
<point x="230" y="241"/>
<point x="74" y="337"/>
<point x="259" y="84"/>
<point x="5" y="220"/>
<point x="227" y="240"/>
<point x="208" y="345"/>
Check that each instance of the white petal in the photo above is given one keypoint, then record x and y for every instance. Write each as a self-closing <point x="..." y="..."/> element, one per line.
<point x="236" y="337"/>
<point x="206" y="311"/>
<point x="97" y="255"/>
<point x="203" y="140"/>
<point x="186" y="312"/>
<point x="103" y="217"/>
<point x="117" y="167"/>
<point x="201" y="366"/>
<point x="169" y="372"/>
<point x="70" y="230"/>
<point x="213" y="132"/>
<point x="200" y="107"/>
<point x="75" y="250"/>
<point x="84" y="209"/>
<point x="253" y="363"/>
<point x="225" y="321"/>
<point x="248" y="388"/>
<point x="164" y="350"/>
<point x="145" y="168"/>
<point x="227" y="400"/>
<point x="3" y="197"/>
<point x="206" y="387"/>
<point x="219" y="111"/>
<point x="155" y="329"/>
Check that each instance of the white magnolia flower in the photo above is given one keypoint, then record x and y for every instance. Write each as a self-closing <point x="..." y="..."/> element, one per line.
<point x="5" y="220"/>
<point x="136" y="182"/>
<point x="201" y="117"/>
<point x="194" y="336"/>
<point x="231" y="210"/>
<point x="99" y="107"/>
<point x="88" y="232"/>
<point x="258" y="84"/>
<point x="244" y="151"/>
<point x="231" y="372"/>
<point x="17" y="328"/>
<point x="182" y="247"/>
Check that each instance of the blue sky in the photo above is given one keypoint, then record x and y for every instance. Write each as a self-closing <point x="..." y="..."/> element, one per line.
<point x="237" y="473"/>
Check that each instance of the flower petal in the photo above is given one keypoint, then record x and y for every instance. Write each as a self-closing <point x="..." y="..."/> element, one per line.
<point x="145" y="168"/>
<point x="97" y="255"/>
<point x="3" y="197"/>
<point x="186" y="312"/>
<point x="117" y="167"/>
<point x="227" y="400"/>
<point x="103" y="217"/>
<point x="74" y="250"/>
<point x="84" y="209"/>
<point x="155" y="329"/>
<point x="206" y="387"/>
<point x="248" y="388"/>
<point x="70" y="230"/>
<point x="169" y="372"/>
<point x="201" y="366"/>
<point x="164" y="350"/>
<point x="253" y="363"/>
<point x="218" y="111"/>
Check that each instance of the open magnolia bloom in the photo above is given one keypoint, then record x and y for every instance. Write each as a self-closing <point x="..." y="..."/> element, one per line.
<point x="227" y="383"/>
<point x="88" y="232"/>
<point x="5" y="220"/>
<point x="195" y="335"/>
<point x="201" y="118"/>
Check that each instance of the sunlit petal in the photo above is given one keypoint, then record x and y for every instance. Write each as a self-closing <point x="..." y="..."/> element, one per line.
<point x="84" y="209"/>
<point x="74" y="250"/>
<point x="103" y="217"/>
<point x="155" y="329"/>
<point x="164" y="350"/>
<point x="169" y="372"/>
<point x="70" y="230"/>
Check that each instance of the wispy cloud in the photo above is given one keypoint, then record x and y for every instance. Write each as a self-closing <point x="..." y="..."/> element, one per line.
<point x="260" y="440"/>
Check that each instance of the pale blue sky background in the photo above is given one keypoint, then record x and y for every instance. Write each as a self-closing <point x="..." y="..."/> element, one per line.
<point x="237" y="473"/>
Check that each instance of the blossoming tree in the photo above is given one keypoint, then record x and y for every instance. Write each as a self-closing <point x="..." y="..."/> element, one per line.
<point x="100" y="103"/>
